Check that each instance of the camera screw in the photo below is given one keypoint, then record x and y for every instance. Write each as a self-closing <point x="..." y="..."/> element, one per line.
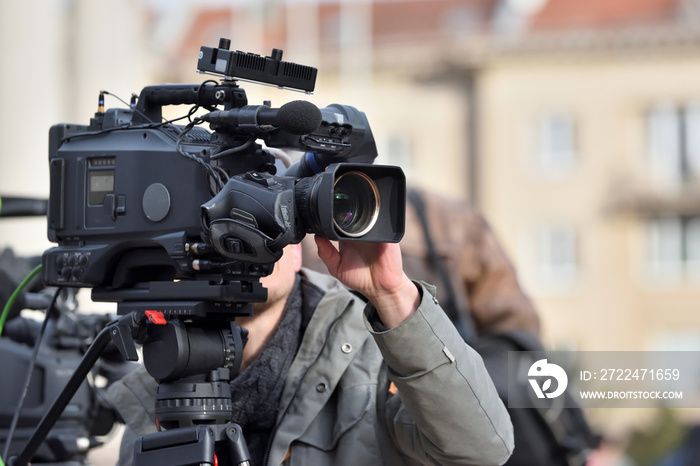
<point x="220" y="95"/>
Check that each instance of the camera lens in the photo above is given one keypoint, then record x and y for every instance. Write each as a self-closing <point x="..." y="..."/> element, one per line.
<point x="355" y="204"/>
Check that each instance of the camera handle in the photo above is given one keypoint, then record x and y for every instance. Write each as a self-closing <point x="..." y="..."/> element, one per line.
<point x="113" y="332"/>
<point x="154" y="97"/>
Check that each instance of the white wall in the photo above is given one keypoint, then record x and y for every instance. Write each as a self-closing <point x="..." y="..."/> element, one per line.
<point x="56" y="57"/>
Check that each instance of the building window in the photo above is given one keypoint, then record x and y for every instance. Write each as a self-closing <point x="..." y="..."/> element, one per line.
<point x="674" y="247"/>
<point x="330" y="32"/>
<point x="557" y="255"/>
<point x="674" y="142"/>
<point x="556" y="152"/>
<point x="549" y="258"/>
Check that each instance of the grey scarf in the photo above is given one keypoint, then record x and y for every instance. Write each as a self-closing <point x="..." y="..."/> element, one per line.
<point x="257" y="390"/>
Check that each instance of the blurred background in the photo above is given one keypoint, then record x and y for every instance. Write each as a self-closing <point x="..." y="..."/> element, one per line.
<point x="573" y="125"/>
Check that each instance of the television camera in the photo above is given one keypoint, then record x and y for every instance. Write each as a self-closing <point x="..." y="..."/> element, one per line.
<point x="64" y="337"/>
<point x="177" y="224"/>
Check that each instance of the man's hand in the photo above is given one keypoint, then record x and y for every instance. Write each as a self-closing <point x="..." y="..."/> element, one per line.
<point x="376" y="271"/>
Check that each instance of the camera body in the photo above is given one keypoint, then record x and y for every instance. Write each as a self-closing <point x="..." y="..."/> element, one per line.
<point x="116" y="193"/>
<point x="149" y="211"/>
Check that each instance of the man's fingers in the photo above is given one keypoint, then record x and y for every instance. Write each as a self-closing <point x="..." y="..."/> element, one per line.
<point x="328" y="253"/>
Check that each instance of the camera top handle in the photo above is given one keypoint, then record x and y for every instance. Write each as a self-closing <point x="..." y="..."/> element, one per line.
<point x="153" y="98"/>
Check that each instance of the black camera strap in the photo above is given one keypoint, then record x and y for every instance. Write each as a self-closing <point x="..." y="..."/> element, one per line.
<point x="461" y="319"/>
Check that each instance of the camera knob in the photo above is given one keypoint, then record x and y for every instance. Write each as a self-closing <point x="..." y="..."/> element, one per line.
<point x="65" y="272"/>
<point x="224" y="43"/>
<point x="260" y="178"/>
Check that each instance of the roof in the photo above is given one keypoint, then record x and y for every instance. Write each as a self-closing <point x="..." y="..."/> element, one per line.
<point x="579" y="14"/>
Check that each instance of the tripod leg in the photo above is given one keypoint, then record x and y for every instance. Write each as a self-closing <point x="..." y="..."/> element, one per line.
<point x="236" y="445"/>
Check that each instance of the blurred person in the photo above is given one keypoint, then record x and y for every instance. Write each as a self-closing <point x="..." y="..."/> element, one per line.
<point x="687" y="454"/>
<point x="611" y="452"/>
<point x="327" y="378"/>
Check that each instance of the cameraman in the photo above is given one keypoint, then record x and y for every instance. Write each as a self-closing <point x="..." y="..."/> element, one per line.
<point x="318" y="386"/>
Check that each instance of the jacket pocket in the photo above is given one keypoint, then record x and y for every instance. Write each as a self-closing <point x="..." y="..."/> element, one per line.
<point x="341" y="431"/>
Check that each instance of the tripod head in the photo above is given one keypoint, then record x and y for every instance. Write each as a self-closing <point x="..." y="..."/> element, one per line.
<point x="193" y="363"/>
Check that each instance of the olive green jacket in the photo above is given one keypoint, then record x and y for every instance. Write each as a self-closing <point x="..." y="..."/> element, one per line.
<point x="337" y="406"/>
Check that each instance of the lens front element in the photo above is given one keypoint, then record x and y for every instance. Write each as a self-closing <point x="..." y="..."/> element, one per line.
<point x="355" y="204"/>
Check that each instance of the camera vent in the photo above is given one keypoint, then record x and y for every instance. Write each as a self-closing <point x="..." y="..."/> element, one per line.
<point x="294" y="70"/>
<point x="250" y="61"/>
<point x="197" y="134"/>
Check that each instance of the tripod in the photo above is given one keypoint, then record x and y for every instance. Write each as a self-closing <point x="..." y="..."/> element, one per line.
<point x="192" y="359"/>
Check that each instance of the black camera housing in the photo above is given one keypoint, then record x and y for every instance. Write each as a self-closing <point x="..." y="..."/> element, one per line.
<point x="136" y="215"/>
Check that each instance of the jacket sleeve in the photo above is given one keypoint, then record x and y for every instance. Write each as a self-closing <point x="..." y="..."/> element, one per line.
<point x="446" y="410"/>
<point x="133" y="397"/>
